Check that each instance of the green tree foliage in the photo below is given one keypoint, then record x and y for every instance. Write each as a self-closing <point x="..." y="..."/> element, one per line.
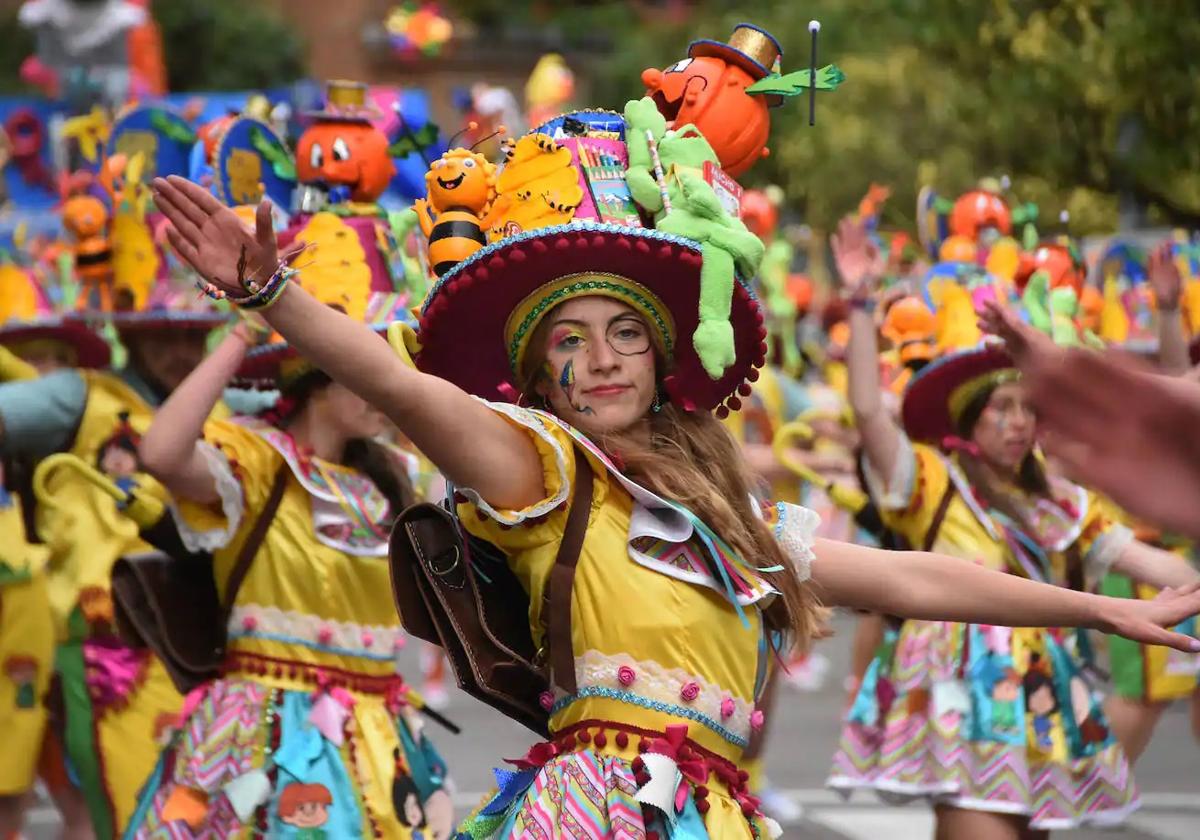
<point x="16" y="44"/>
<point x="208" y="45"/>
<point x="227" y="45"/>
<point x="1078" y="101"/>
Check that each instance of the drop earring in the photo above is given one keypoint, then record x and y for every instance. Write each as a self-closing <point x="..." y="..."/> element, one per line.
<point x="656" y="406"/>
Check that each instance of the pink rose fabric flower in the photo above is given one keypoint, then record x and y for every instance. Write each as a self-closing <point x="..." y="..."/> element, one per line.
<point x="626" y="675"/>
<point x="689" y="692"/>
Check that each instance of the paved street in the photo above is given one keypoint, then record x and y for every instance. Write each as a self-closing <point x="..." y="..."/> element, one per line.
<point x="806" y="728"/>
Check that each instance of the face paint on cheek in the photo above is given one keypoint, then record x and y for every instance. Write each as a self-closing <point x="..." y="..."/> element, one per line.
<point x="566" y="381"/>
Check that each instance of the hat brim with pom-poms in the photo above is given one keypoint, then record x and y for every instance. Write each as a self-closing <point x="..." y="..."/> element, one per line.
<point x="476" y="323"/>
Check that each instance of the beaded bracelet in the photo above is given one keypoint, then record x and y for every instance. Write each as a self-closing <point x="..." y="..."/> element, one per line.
<point x="260" y="297"/>
<point x="270" y="291"/>
<point x="866" y="304"/>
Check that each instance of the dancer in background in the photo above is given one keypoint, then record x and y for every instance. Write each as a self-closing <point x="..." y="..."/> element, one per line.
<point x="328" y="723"/>
<point x="34" y="339"/>
<point x="111" y="702"/>
<point x="992" y="726"/>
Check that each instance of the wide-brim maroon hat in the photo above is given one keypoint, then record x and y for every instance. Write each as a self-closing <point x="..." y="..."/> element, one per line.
<point x="477" y="320"/>
<point x="935" y="397"/>
<point x="91" y="351"/>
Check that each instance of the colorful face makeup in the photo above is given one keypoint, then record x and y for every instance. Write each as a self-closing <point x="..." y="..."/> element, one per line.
<point x="566" y="381"/>
<point x="598" y="371"/>
<point x="567" y="338"/>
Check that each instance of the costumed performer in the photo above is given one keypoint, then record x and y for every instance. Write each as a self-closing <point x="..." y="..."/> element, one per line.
<point x="1000" y="729"/>
<point x="34" y="339"/>
<point x="326" y="727"/>
<point x="1147" y="679"/>
<point x="116" y="702"/>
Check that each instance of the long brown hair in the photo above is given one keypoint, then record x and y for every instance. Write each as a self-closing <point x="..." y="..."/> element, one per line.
<point x="692" y="459"/>
<point x="361" y="455"/>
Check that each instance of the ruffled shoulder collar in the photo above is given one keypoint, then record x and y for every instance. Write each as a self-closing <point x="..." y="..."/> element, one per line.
<point x="349" y="512"/>
<point x="667" y="537"/>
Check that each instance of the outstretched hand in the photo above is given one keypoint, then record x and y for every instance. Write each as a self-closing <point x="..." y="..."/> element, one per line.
<point x="213" y="240"/>
<point x="1147" y="621"/>
<point x="859" y="260"/>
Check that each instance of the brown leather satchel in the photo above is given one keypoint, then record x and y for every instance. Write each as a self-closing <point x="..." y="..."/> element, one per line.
<point x="460" y="594"/>
<point x="170" y="605"/>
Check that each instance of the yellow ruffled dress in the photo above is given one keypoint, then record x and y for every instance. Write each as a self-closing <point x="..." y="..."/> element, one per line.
<point x="664" y="662"/>
<point x="310" y="731"/>
<point x="989" y="718"/>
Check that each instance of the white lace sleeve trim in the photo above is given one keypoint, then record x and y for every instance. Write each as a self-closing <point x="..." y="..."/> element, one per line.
<point x="233" y="504"/>
<point x="795" y="531"/>
<point x="531" y="421"/>
<point x="1106" y="550"/>
<point x="896" y="492"/>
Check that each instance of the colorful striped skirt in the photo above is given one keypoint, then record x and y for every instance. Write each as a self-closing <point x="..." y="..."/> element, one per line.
<point x="985" y="718"/>
<point x="597" y="782"/>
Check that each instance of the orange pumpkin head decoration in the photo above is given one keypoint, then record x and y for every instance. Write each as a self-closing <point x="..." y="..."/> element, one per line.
<point x="977" y="211"/>
<point x="708" y="90"/>
<point x="343" y="149"/>
<point x="912" y="328"/>
<point x="759" y="213"/>
<point x="1057" y="260"/>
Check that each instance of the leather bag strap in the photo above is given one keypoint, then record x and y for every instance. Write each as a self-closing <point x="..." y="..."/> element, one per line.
<point x="939" y="516"/>
<point x="254" y="541"/>
<point x="562" y="578"/>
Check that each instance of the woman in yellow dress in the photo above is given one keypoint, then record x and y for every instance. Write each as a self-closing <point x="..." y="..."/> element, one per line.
<point x="34" y="340"/>
<point x="1000" y="729"/>
<point x="310" y="725"/>
<point x="682" y="591"/>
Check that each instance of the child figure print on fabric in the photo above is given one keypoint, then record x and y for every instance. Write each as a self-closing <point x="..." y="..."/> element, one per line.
<point x="406" y="799"/>
<point x="1041" y="703"/>
<point x="1006" y="693"/>
<point x="305" y="807"/>
<point x="118" y="455"/>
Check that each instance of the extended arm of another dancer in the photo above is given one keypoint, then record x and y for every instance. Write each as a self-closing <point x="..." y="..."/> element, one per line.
<point x="503" y="466"/>
<point x="1113" y="424"/>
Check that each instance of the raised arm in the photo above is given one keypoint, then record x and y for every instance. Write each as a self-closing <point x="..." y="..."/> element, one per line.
<point x="1167" y="284"/>
<point x="168" y="450"/>
<point x="919" y="585"/>
<point x="465" y="439"/>
<point x="860" y="264"/>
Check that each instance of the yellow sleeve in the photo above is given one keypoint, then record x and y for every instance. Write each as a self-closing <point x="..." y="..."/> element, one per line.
<point x="542" y="522"/>
<point x="1103" y="537"/>
<point x="243" y="466"/>
<point x="910" y="497"/>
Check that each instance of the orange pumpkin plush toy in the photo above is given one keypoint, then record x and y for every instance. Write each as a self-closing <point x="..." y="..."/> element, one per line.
<point x="343" y="149"/>
<point x="343" y="160"/>
<point x="725" y="89"/>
